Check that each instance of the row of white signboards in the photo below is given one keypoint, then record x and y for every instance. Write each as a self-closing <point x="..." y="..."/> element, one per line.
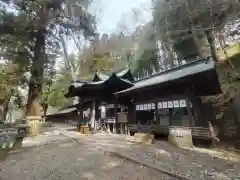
<point x="110" y="106"/>
<point x="162" y="105"/>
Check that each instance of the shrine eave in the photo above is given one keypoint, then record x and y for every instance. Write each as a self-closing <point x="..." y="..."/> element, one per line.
<point x="111" y="85"/>
<point x="190" y="71"/>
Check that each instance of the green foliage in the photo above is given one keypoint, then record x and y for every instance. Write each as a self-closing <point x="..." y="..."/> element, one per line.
<point x="145" y="60"/>
<point x="147" y="63"/>
<point x="9" y="79"/>
<point x="176" y="22"/>
<point x="56" y="98"/>
<point x="56" y="91"/>
<point x="29" y="36"/>
<point x="101" y="62"/>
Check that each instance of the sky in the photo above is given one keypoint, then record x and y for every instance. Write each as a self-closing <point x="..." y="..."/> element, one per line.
<point x="112" y="12"/>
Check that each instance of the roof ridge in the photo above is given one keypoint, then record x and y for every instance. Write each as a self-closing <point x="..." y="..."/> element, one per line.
<point x="116" y="72"/>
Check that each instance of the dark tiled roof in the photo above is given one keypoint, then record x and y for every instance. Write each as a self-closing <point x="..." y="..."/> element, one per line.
<point x="99" y="76"/>
<point x="185" y="70"/>
<point x="114" y="82"/>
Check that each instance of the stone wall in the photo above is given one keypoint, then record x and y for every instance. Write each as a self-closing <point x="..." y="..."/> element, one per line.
<point x="227" y="104"/>
<point x="229" y="127"/>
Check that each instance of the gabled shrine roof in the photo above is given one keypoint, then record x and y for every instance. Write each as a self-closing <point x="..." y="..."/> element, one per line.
<point x="189" y="69"/>
<point x="112" y="83"/>
<point x="124" y="74"/>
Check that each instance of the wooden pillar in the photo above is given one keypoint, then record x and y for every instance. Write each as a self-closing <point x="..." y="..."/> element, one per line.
<point x="191" y="97"/>
<point x="121" y="128"/>
<point x="97" y="114"/>
<point x="156" y="113"/>
<point x="189" y="110"/>
<point x="93" y="115"/>
<point x="197" y="111"/>
<point x="115" y="113"/>
<point x="108" y="128"/>
<point x="134" y="111"/>
<point x="135" y="117"/>
<point x="130" y="116"/>
<point x="125" y="129"/>
<point x="80" y="108"/>
<point x="130" y="113"/>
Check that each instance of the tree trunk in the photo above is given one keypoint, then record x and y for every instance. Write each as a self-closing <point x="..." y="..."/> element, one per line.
<point x="5" y="107"/>
<point x="45" y="108"/>
<point x="201" y="41"/>
<point x="33" y="107"/>
<point x="213" y="49"/>
<point x="222" y="45"/>
<point x="212" y="45"/>
<point x="168" y="54"/>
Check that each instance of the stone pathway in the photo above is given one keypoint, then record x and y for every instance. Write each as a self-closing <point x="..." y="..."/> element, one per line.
<point x="73" y="160"/>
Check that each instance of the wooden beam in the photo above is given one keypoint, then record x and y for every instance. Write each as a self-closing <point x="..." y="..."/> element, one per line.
<point x="197" y="111"/>
<point x="135" y="113"/>
<point x="80" y="113"/>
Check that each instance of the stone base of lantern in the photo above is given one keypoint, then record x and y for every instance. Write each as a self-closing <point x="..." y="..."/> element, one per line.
<point x="35" y="125"/>
<point x="181" y="137"/>
<point x="84" y="129"/>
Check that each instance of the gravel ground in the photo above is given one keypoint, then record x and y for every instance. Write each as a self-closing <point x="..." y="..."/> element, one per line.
<point x="200" y="162"/>
<point x="182" y="164"/>
<point x="70" y="161"/>
<point x="81" y="157"/>
<point x="193" y="165"/>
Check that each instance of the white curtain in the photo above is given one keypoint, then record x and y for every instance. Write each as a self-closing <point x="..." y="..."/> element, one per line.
<point x="103" y="111"/>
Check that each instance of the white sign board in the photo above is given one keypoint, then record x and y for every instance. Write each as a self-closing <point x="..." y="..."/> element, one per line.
<point x="164" y="104"/>
<point x="170" y="104"/>
<point x="149" y="106"/>
<point x="176" y="104"/>
<point x="153" y="106"/>
<point x="160" y="105"/>
<point x="137" y="107"/>
<point x="182" y="103"/>
<point x="145" y="107"/>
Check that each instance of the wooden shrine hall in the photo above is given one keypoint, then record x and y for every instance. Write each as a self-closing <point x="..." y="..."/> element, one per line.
<point x="173" y="99"/>
<point x="157" y="103"/>
<point x="99" y="93"/>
